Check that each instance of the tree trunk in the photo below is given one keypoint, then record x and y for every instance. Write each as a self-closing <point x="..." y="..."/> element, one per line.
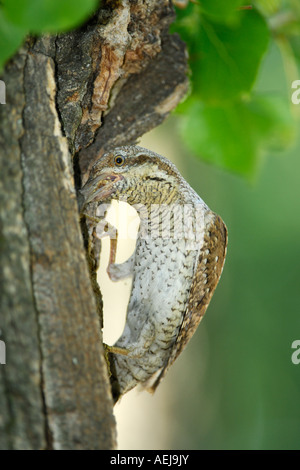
<point x="68" y="99"/>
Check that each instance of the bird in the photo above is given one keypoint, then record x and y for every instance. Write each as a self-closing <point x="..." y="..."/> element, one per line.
<point x="177" y="263"/>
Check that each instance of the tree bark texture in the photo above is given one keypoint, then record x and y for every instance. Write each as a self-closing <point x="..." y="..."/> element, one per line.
<point x="69" y="98"/>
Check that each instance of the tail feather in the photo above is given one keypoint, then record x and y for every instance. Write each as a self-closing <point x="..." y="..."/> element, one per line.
<point x="114" y="383"/>
<point x="152" y="383"/>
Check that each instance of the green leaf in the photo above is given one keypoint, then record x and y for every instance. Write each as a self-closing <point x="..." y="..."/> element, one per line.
<point x="11" y="38"/>
<point x="224" y="58"/>
<point x="229" y="57"/>
<point x="221" y="9"/>
<point x="233" y="135"/>
<point x="39" y="16"/>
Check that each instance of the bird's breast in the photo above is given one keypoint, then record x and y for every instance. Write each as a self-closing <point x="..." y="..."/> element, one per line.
<point x="162" y="279"/>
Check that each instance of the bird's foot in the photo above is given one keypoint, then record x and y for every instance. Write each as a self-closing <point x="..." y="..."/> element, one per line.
<point x="116" y="350"/>
<point x="116" y="272"/>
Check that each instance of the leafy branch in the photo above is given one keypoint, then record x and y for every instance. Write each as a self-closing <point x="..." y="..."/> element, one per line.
<point x="225" y="120"/>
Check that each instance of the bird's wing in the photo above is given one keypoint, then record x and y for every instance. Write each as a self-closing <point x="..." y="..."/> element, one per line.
<point x="207" y="274"/>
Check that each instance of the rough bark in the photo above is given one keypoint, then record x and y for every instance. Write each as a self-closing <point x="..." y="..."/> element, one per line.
<point x="69" y="98"/>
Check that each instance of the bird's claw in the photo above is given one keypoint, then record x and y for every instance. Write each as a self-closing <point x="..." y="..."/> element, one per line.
<point x="116" y="350"/>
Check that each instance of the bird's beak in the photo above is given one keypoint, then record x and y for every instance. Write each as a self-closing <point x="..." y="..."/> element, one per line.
<point x="97" y="189"/>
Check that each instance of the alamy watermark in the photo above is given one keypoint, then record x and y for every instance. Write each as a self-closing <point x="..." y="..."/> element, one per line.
<point x="2" y="352"/>
<point x="2" y="92"/>
<point x="296" y="94"/>
<point x="296" y="354"/>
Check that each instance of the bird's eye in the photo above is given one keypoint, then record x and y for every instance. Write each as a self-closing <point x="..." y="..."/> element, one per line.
<point x="119" y="160"/>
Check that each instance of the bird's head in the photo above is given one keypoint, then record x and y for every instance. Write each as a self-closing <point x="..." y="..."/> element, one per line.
<point x="132" y="173"/>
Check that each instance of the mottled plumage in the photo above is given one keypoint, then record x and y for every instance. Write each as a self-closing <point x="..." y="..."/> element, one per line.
<point x="179" y="256"/>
